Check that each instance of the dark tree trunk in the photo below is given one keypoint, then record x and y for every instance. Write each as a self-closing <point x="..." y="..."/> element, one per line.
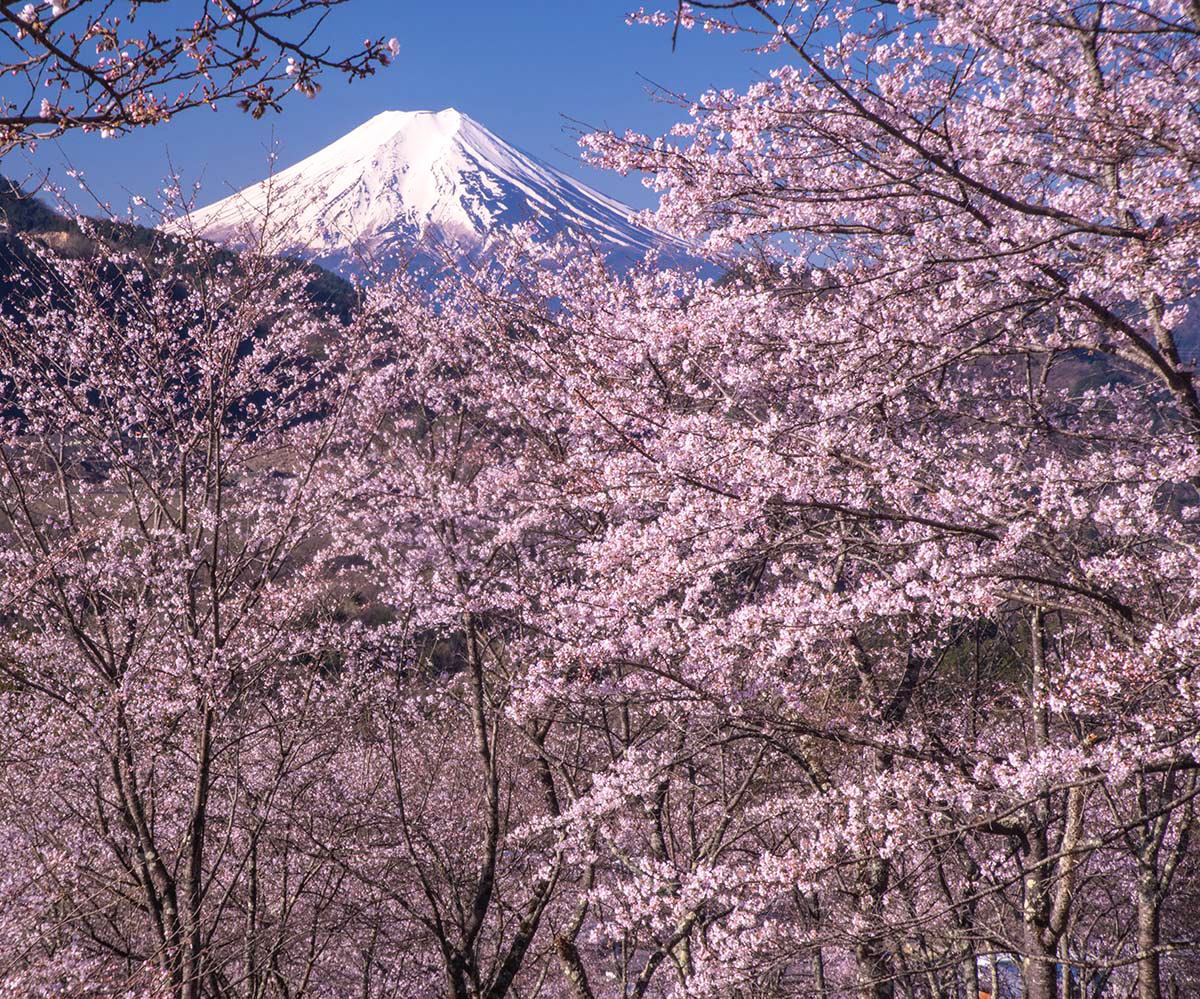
<point x="572" y="968"/>
<point x="875" y="971"/>
<point x="1039" y="965"/>
<point x="970" y="976"/>
<point x="1149" y="984"/>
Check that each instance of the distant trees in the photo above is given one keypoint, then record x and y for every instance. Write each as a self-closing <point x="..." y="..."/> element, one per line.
<point x="827" y="631"/>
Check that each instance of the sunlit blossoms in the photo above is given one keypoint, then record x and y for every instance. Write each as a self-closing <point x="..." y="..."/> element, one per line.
<point x="109" y="68"/>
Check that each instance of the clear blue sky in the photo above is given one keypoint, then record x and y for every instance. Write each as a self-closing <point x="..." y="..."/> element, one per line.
<point x="518" y="67"/>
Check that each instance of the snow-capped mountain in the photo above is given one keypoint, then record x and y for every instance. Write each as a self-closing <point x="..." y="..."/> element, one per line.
<point x="424" y="182"/>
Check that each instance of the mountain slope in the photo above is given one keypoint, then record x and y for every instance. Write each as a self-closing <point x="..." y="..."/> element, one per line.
<point x="26" y="219"/>
<point x="436" y="182"/>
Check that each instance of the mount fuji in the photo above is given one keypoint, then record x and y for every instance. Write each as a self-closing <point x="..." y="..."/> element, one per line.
<point x="425" y="184"/>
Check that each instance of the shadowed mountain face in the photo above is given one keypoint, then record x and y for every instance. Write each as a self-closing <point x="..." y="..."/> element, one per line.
<point x="425" y="183"/>
<point x="27" y="222"/>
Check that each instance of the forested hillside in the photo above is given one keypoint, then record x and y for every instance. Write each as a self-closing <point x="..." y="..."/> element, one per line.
<point x="26" y="219"/>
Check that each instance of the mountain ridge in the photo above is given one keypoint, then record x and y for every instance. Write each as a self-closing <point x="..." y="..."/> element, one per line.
<point x="27" y="219"/>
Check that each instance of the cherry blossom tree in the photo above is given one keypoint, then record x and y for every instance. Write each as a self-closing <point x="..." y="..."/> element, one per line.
<point x="892" y="531"/>
<point x="945" y="412"/>
<point x="166" y="610"/>
<point x="98" y="66"/>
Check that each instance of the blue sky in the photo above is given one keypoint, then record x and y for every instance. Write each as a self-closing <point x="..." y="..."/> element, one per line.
<point x="518" y="67"/>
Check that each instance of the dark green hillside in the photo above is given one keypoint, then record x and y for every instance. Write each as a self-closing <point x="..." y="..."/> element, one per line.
<point x="25" y="218"/>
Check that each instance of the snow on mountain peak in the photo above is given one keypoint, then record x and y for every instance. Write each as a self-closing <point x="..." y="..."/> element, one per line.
<point x="404" y="180"/>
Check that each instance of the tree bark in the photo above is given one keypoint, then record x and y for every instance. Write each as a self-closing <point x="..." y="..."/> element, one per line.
<point x="196" y="832"/>
<point x="572" y="968"/>
<point x="1149" y="984"/>
<point x="970" y="974"/>
<point x="1038" y="967"/>
<point x="875" y="973"/>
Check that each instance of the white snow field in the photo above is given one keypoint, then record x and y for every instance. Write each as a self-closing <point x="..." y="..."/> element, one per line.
<point x="434" y="184"/>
